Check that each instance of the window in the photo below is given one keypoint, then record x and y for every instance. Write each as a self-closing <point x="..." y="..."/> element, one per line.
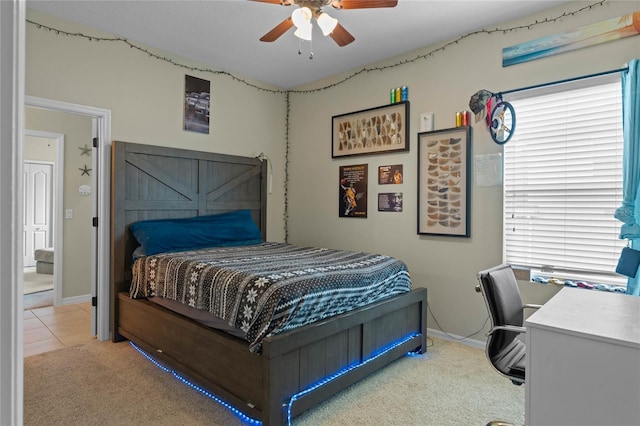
<point x="563" y="180"/>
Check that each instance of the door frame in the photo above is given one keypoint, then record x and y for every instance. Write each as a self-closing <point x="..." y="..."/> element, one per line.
<point x="102" y="128"/>
<point x="12" y="87"/>
<point x="57" y="200"/>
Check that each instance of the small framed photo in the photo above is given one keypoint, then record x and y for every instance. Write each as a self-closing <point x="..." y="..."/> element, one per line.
<point x="390" y="175"/>
<point x="197" y="103"/>
<point x="390" y="202"/>
<point x="443" y="182"/>
<point x="372" y="131"/>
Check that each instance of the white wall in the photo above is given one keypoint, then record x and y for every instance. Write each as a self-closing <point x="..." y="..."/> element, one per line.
<point x="37" y="148"/>
<point x="442" y="83"/>
<point x="146" y="98"/>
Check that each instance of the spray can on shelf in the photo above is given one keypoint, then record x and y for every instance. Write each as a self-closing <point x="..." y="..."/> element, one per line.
<point x="404" y="93"/>
<point x="392" y="97"/>
<point x="458" y="119"/>
<point x="398" y="94"/>
<point x="465" y="118"/>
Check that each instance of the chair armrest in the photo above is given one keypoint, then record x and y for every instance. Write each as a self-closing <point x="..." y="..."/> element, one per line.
<point x="532" y="306"/>
<point x="513" y="328"/>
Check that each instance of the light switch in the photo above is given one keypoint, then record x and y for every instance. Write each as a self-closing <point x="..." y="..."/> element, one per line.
<point x="426" y="122"/>
<point x="68" y="214"/>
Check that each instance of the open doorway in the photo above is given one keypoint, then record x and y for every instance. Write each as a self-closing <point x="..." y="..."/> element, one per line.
<point x="88" y="182"/>
<point x="43" y="171"/>
<point x="73" y="259"/>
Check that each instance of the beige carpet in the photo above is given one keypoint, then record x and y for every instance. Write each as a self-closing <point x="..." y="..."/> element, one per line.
<point x="34" y="282"/>
<point x="37" y="300"/>
<point x="112" y="384"/>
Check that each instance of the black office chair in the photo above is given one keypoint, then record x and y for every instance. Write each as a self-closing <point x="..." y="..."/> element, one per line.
<point x="505" y="347"/>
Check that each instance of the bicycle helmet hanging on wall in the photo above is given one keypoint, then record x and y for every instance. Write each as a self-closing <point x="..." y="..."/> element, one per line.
<point x="502" y="123"/>
<point x="500" y="115"/>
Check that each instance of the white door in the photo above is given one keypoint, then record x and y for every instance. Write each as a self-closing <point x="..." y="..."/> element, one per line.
<point x="38" y="188"/>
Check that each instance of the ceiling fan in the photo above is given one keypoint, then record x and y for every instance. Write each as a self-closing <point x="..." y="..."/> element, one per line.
<point x="307" y="9"/>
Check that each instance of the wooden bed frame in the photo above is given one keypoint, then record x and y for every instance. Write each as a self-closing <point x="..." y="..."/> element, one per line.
<point x="151" y="182"/>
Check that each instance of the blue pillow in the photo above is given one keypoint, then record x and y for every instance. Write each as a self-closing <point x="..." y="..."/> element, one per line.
<point x="225" y="229"/>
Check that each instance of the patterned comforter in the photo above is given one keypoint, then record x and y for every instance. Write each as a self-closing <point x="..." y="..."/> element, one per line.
<point x="270" y="288"/>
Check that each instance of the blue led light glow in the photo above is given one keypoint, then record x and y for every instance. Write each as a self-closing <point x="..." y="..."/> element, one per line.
<point x="345" y="370"/>
<point x="296" y="396"/>
<point x="206" y="393"/>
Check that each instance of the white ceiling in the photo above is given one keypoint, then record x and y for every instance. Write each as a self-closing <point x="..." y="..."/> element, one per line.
<point x="224" y="34"/>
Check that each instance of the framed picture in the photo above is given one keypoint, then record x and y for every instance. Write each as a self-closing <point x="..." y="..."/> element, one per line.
<point x="371" y="131"/>
<point x="390" y="175"/>
<point x="353" y="191"/>
<point x="197" y="102"/>
<point x="390" y="202"/>
<point x="443" y="182"/>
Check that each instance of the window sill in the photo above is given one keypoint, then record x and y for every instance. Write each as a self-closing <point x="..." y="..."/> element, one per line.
<point x="588" y="285"/>
<point x="617" y="283"/>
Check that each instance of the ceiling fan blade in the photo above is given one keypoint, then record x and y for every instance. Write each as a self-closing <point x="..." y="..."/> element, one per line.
<point x="278" y="30"/>
<point x="282" y="2"/>
<point x="341" y="36"/>
<point x="363" y="4"/>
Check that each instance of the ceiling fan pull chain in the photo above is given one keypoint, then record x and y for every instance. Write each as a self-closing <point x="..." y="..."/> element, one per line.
<point x="310" y="48"/>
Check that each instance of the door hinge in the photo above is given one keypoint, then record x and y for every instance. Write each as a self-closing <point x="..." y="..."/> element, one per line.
<point x="94" y="301"/>
<point x="95" y="222"/>
<point x="95" y="142"/>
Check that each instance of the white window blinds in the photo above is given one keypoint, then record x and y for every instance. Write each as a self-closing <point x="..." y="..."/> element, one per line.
<point x="563" y="178"/>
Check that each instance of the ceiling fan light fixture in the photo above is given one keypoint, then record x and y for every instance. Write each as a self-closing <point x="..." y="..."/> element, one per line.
<point x="301" y="17"/>
<point x="326" y="23"/>
<point x="307" y="9"/>
<point x="304" y="31"/>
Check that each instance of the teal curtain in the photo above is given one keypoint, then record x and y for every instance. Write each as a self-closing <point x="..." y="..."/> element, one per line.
<point x="629" y="211"/>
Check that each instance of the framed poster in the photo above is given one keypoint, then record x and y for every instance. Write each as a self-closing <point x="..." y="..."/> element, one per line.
<point x="353" y="191"/>
<point x="390" y="175"/>
<point x="390" y="202"/>
<point x="443" y="182"/>
<point x="586" y="36"/>
<point x="197" y="102"/>
<point x="371" y="131"/>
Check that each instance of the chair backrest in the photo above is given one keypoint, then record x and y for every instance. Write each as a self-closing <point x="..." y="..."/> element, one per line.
<point x="502" y="296"/>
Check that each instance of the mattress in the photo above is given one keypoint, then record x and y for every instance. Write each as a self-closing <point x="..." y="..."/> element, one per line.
<point x="270" y="288"/>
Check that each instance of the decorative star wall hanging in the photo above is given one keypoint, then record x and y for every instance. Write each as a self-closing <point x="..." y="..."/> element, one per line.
<point x="85" y="150"/>
<point x="85" y="171"/>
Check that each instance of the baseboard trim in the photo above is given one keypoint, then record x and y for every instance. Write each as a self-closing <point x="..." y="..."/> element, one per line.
<point x="76" y="299"/>
<point x="478" y="344"/>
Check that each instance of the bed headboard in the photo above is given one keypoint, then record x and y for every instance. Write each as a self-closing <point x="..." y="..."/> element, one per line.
<point x="152" y="182"/>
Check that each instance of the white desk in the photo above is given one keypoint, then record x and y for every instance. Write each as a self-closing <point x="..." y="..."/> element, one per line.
<point x="583" y="360"/>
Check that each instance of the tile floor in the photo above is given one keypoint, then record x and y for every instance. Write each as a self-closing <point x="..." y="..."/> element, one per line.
<point x="55" y="327"/>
